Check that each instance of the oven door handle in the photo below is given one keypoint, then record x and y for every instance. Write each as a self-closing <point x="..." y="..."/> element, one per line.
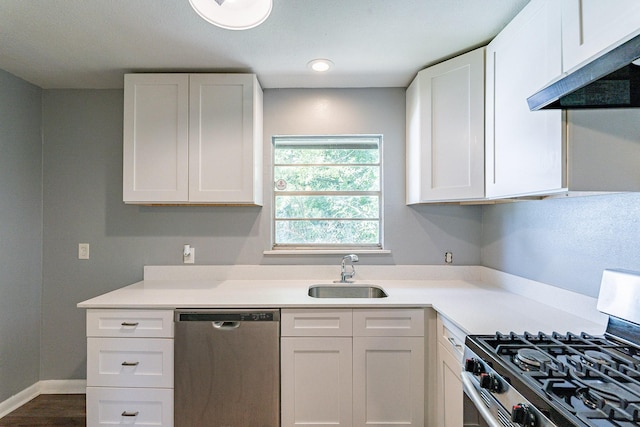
<point x="474" y="395"/>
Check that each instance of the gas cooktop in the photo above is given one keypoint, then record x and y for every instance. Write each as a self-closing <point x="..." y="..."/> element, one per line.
<point x="555" y="379"/>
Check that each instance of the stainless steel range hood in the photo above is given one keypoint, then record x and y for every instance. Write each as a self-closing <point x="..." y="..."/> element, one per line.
<point x="609" y="81"/>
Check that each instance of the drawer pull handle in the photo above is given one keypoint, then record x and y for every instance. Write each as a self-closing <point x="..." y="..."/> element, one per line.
<point x="130" y="414"/>
<point x="130" y="363"/>
<point x="132" y="324"/>
<point x="453" y="343"/>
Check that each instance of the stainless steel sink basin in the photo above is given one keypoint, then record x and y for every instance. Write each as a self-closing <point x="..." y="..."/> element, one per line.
<point x="346" y="291"/>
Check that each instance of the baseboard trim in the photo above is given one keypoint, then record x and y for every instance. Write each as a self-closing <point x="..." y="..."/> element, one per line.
<point x="42" y="387"/>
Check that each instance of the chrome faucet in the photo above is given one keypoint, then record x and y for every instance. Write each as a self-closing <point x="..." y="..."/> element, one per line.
<point x="344" y="274"/>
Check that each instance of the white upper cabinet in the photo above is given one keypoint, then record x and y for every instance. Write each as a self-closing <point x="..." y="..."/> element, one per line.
<point x="591" y="27"/>
<point x="192" y="138"/>
<point x="156" y="138"/>
<point x="524" y="149"/>
<point x="445" y="131"/>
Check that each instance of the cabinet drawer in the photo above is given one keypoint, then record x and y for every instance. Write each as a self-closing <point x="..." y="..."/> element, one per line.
<point x="130" y="406"/>
<point x="126" y="362"/>
<point x="392" y="322"/>
<point x="451" y="337"/>
<point x="318" y="322"/>
<point x="130" y="323"/>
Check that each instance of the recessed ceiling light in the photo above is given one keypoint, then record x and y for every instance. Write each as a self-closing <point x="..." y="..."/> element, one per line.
<point x="233" y="14"/>
<point x="320" y="65"/>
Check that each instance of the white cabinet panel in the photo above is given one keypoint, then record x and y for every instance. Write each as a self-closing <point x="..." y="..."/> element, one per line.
<point x="316" y="381"/>
<point x="388" y="381"/>
<point x="316" y="322"/>
<point x="136" y="407"/>
<point x="450" y="394"/>
<point x="591" y="27"/>
<point x="129" y="362"/>
<point x="225" y="138"/>
<point x="130" y="323"/>
<point x="524" y="149"/>
<point x="445" y="131"/>
<point x="397" y="323"/>
<point x="156" y="134"/>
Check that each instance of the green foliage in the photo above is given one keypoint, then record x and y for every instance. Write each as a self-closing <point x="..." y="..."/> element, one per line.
<point x="309" y="206"/>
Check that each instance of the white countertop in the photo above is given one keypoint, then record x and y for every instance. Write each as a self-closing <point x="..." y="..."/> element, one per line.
<point x="461" y="294"/>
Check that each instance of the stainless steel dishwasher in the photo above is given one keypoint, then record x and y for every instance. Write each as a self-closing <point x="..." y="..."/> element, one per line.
<point x="227" y="368"/>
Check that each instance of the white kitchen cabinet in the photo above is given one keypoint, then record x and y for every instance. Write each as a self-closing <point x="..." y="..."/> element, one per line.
<point x="524" y="149"/>
<point x="449" y="366"/>
<point x="592" y="27"/>
<point x="316" y="381"/>
<point x="373" y="376"/>
<point x="192" y="138"/>
<point x="445" y="131"/>
<point x="129" y="367"/>
<point x="388" y="381"/>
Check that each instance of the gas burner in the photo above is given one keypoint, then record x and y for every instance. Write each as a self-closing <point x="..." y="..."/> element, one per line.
<point x="589" y="400"/>
<point x="531" y="359"/>
<point x="594" y="357"/>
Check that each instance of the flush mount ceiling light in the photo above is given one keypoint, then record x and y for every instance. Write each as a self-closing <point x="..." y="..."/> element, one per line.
<point x="320" y="65"/>
<point x="233" y="14"/>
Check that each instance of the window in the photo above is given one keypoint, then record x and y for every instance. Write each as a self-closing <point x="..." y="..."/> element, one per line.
<point x="327" y="192"/>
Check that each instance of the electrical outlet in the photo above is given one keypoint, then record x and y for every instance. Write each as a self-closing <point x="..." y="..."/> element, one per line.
<point x="448" y="257"/>
<point x="83" y="251"/>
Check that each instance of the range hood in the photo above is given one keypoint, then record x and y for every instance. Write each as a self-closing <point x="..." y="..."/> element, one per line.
<point x="609" y="81"/>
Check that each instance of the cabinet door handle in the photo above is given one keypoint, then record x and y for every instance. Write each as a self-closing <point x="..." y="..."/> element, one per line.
<point x="130" y="363"/>
<point x="130" y="324"/>
<point x="130" y="414"/>
<point x="453" y="343"/>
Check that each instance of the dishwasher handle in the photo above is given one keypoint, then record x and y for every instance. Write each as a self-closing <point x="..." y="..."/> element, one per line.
<point x="222" y="325"/>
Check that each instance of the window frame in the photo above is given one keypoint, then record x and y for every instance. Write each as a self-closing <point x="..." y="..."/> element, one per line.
<point x="318" y="247"/>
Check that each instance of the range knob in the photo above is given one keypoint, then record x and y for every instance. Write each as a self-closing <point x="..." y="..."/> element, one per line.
<point x="521" y="414"/>
<point x="491" y="383"/>
<point x="474" y="366"/>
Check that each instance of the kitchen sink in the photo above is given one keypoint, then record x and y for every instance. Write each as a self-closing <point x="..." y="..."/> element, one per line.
<point x="346" y="291"/>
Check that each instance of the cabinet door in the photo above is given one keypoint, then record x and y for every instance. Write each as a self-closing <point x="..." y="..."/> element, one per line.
<point x="316" y="381"/>
<point x="524" y="149"/>
<point x="445" y="131"/>
<point x="156" y="138"/>
<point x="388" y="381"/>
<point x="225" y="139"/>
<point x="450" y="394"/>
<point x="590" y="27"/>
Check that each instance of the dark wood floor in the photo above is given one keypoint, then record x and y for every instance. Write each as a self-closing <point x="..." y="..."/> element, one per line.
<point x="49" y="410"/>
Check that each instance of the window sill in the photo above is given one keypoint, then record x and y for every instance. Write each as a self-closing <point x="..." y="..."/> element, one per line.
<point x="327" y="251"/>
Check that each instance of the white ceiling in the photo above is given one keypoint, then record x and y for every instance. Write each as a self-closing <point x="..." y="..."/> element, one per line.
<point x="373" y="43"/>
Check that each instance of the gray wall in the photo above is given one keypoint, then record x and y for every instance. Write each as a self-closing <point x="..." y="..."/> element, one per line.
<point x="83" y="203"/>
<point x="20" y="234"/>
<point x="564" y="242"/>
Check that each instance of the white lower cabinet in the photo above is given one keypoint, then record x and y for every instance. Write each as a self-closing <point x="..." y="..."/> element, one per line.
<point x="128" y="406"/>
<point x="449" y="366"/>
<point x="316" y="381"/>
<point x="373" y="377"/>
<point x="129" y="368"/>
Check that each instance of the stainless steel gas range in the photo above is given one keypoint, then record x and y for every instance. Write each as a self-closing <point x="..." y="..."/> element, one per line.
<point x="561" y="379"/>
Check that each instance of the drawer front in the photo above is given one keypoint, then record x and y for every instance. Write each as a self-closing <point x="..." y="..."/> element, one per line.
<point x="391" y="322"/>
<point x="130" y="323"/>
<point x="451" y="337"/>
<point x="316" y="322"/>
<point x="126" y="362"/>
<point x="129" y="406"/>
